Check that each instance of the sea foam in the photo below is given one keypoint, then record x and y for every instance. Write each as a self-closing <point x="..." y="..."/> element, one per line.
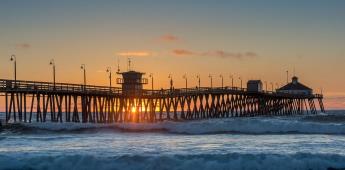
<point x="255" y="125"/>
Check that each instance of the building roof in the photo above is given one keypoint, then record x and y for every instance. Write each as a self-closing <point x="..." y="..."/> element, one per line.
<point x="295" y="85"/>
<point x="131" y="72"/>
<point x="254" y="81"/>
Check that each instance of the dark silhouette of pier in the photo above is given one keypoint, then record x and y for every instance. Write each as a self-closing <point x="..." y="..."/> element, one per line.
<point x="28" y="101"/>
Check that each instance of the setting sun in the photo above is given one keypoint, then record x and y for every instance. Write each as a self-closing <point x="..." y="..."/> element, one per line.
<point x="133" y="110"/>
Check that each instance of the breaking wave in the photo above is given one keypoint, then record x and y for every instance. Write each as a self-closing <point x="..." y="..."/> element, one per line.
<point x="165" y="162"/>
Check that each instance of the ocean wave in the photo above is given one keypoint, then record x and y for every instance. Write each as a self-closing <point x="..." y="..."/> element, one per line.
<point x="254" y="125"/>
<point x="167" y="162"/>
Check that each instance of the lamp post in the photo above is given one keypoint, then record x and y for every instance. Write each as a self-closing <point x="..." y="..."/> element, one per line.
<point x="14" y="59"/>
<point x="232" y="81"/>
<point x="321" y="89"/>
<point x="110" y="76"/>
<point x="185" y="77"/>
<point x="287" y="77"/>
<point x="52" y="63"/>
<point x="241" y="81"/>
<point x="84" y="70"/>
<point x="266" y="85"/>
<point x="221" y="76"/>
<point x="210" y="76"/>
<point x="151" y="75"/>
<point x="277" y="86"/>
<point x="171" y="81"/>
<point x="272" y="86"/>
<point x="198" y="77"/>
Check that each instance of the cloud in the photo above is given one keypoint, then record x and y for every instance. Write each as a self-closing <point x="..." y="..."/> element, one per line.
<point x="134" y="53"/>
<point x="224" y="54"/>
<point x="23" y="45"/>
<point x="168" y="38"/>
<point x="216" y="53"/>
<point x="183" y="52"/>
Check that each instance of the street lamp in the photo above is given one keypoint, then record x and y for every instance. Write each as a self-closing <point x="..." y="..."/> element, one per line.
<point x="14" y="59"/>
<point x="84" y="70"/>
<point x="241" y="81"/>
<point x="210" y="76"/>
<point x="52" y="63"/>
<point x="287" y="77"/>
<point x="171" y="81"/>
<point x="232" y="81"/>
<point x="272" y="86"/>
<point x="110" y="75"/>
<point x="185" y="77"/>
<point x="266" y="85"/>
<point x="221" y="76"/>
<point x="198" y="77"/>
<point x="151" y="75"/>
<point x="277" y="86"/>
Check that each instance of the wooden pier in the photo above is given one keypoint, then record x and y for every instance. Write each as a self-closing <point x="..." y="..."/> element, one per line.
<point x="28" y="101"/>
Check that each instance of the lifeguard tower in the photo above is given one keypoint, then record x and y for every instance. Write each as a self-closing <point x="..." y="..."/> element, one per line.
<point x="132" y="82"/>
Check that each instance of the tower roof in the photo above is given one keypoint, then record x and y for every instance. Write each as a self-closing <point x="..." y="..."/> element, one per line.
<point x="254" y="81"/>
<point x="295" y="85"/>
<point x="131" y="72"/>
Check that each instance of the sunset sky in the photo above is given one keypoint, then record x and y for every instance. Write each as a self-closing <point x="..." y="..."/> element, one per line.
<point x="246" y="38"/>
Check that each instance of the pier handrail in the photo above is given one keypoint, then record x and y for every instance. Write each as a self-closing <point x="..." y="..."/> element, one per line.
<point x="21" y="85"/>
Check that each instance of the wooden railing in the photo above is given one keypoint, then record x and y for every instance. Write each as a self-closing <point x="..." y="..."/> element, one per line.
<point x="20" y="85"/>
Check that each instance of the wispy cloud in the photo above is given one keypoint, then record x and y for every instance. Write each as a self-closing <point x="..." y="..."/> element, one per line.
<point x="225" y="54"/>
<point x="168" y="38"/>
<point x="135" y="53"/>
<point x="215" y="53"/>
<point x="183" y="52"/>
<point x="23" y="45"/>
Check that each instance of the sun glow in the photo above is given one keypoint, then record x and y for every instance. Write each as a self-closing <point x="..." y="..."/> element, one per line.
<point x="133" y="110"/>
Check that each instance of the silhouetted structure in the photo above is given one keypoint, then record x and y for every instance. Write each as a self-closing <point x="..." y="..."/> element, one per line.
<point x="132" y="83"/>
<point x="58" y="102"/>
<point x="295" y="87"/>
<point x="254" y="86"/>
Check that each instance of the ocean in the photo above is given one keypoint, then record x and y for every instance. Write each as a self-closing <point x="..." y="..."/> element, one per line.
<point x="299" y="142"/>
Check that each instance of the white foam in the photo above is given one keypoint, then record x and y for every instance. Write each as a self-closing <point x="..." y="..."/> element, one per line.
<point x="257" y="125"/>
